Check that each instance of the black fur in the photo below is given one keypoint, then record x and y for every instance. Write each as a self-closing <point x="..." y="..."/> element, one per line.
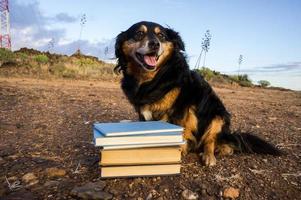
<point x="194" y="91"/>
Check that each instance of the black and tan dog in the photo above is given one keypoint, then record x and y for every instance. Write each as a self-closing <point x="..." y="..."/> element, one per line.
<point x="159" y="84"/>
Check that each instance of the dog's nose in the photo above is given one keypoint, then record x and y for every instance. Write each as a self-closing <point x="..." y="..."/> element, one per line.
<point x="154" y="44"/>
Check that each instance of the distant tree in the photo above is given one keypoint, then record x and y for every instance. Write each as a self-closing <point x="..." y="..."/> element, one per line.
<point x="205" y="49"/>
<point x="264" y="83"/>
<point x="240" y="59"/>
<point x="83" y="21"/>
<point x="51" y="44"/>
<point x="206" y="44"/>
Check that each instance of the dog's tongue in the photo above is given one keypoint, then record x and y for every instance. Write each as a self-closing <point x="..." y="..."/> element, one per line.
<point x="150" y="60"/>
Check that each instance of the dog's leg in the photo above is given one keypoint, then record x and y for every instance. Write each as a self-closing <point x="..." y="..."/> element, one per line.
<point x="146" y="113"/>
<point x="209" y="140"/>
<point x="208" y="157"/>
<point x="190" y="143"/>
<point x="190" y="125"/>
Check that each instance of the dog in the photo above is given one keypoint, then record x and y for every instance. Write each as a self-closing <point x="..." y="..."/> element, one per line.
<point x="159" y="84"/>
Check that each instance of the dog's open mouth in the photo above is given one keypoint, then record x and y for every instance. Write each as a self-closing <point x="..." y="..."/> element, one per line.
<point x="148" y="60"/>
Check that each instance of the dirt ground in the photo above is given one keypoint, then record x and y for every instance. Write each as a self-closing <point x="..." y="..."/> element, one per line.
<point x="47" y="124"/>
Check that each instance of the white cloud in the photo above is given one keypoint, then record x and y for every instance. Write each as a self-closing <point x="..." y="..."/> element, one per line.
<point x="30" y="28"/>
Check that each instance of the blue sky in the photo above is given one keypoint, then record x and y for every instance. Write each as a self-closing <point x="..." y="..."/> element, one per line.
<point x="266" y="32"/>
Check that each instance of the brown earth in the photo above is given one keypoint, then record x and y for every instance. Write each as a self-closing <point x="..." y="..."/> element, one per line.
<point x="45" y="134"/>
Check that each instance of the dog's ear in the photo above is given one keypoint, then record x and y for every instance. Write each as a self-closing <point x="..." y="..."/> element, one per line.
<point x="118" y="44"/>
<point x="175" y="38"/>
<point x="121" y="62"/>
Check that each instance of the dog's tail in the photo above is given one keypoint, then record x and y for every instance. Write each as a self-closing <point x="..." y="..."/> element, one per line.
<point x="248" y="143"/>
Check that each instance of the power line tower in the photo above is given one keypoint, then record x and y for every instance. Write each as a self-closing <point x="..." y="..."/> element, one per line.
<point x="5" y="41"/>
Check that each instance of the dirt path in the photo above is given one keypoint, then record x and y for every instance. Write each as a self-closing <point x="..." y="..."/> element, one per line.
<point x="45" y="124"/>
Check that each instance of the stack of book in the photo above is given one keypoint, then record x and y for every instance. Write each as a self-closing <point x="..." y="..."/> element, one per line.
<point x="138" y="148"/>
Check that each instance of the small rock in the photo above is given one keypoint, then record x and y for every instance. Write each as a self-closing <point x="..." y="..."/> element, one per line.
<point x="231" y="193"/>
<point x="131" y="194"/>
<point x="114" y="191"/>
<point x="92" y="191"/>
<point x="2" y="160"/>
<point x="189" y="195"/>
<point x="30" y="179"/>
<point x="149" y="196"/>
<point x="51" y="184"/>
<point x="55" y="172"/>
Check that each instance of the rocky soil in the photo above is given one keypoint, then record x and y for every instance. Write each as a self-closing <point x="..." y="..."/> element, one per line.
<point x="46" y="150"/>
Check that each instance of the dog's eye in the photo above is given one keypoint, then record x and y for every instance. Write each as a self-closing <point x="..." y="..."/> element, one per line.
<point x="139" y="35"/>
<point x="161" y="36"/>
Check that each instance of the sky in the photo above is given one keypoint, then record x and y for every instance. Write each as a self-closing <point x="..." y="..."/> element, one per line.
<point x="266" y="32"/>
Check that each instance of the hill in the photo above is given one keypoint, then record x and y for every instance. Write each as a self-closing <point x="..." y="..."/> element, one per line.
<point x="33" y="63"/>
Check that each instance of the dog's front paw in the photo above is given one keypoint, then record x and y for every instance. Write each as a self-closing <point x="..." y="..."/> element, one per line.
<point x="208" y="160"/>
<point x="184" y="149"/>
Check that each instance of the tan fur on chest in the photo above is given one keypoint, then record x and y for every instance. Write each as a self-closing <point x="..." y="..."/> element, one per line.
<point x="166" y="102"/>
<point x="163" y="105"/>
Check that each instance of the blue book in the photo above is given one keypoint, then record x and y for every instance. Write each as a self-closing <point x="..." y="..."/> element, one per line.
<point x="139" y="134"/>
<point x="156" y="138"/>
<point x="136" y="128"/>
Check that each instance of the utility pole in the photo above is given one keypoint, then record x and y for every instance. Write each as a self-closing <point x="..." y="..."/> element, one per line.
<point x="5" y="39"/>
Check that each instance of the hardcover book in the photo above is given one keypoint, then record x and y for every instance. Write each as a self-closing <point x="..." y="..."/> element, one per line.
<point x="136" y="128"/>
<point x="142" y="156"/>
<point x="143" y="170"/>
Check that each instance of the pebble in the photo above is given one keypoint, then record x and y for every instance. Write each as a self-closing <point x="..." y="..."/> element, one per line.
<point x="30" y="179"/>
<point x="189" y="195"/>
<point x="231" y="193"/>
<point x="149" y="196"/>
<point x="2" y="160"/>
<point x="51" y="183"/>
<point x="91" y="191"/>
<point x="55" y="172"/>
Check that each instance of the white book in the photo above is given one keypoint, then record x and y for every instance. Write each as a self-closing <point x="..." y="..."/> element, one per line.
<point x="136" y="128"/>
<point x="135" y="146"/>
<point x="159" y="138"/>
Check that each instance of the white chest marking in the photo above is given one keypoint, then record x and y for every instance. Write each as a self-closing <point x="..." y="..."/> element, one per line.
<point x="147" y="114"/>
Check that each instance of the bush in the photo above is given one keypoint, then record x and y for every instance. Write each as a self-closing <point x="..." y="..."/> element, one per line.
<point x="242" y="80"/>
<point x="60" y="70"/>
<point x="41" y="59"/>
<point x="207" y="73"/>
<point x="264" y="83"/>
<point x="6" y="57"/>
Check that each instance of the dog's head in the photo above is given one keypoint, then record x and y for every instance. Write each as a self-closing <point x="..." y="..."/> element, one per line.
<point x="146" y="46"/>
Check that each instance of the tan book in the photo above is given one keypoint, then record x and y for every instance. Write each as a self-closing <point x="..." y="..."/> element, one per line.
<point x="140" y="170"/>
<point x="140" y="156"/>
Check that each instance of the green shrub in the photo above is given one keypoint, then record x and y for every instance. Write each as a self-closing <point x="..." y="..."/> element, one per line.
<point x="22" y="58"/>
<point x="208" y="74"/>
<point x="60" y="70"/>
<point x="242" y="80"/>
<point x="41" y="59"/>
<point x="6" y="56"/>
<point x="264" y="83"/>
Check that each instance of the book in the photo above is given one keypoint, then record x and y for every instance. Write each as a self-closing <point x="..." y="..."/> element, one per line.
<point x="136" y="128"/>
<point x="142" y="156"/>
<point x="170" y="137"/>
<point x="136" y="146"/>
<point x="139" y="170"/>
